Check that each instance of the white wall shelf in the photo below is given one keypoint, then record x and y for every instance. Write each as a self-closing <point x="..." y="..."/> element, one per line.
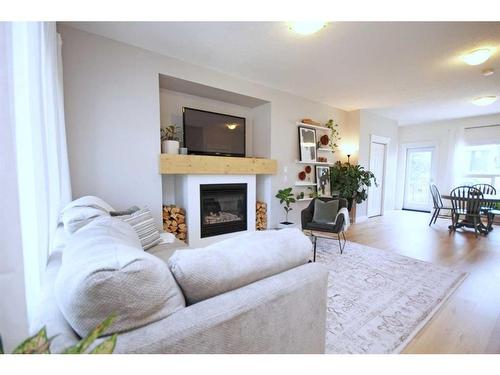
<point x="324" y="149"/>
<point x="304" y="199"/>
<point x="313" y="162"/>
<point x="305" y="183"/>
<point x="320" y="127"/>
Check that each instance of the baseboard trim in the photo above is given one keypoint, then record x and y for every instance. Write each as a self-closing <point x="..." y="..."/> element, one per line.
<point x="360" y="219"/>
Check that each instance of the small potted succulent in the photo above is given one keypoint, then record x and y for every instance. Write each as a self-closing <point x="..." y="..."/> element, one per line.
<point x="169" y="140"/>
<point x="286" y="198"/>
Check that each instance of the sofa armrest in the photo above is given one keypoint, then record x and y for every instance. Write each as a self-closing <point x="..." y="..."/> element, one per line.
<point x="284" y="313"/>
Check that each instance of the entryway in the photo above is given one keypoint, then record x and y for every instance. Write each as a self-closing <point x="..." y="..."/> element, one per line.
<point x="419" y="163"/>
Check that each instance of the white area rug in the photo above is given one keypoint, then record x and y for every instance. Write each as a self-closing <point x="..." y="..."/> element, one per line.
<point x="378" y="300"/>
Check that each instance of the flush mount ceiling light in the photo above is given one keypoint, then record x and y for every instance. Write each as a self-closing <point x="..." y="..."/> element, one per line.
<point x="306" y="27"/>
<point x="232" y="126"/>
<point x="477" y="56"/>
<point x="485" y="100"/>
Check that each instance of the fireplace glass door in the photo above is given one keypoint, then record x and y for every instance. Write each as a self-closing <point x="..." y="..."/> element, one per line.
<point x="223" y="209"/>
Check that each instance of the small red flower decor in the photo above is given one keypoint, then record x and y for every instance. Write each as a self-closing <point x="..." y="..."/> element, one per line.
<point x="302" y="176"/>
<point x="324" y="140"/>
<point x="308" y="169"/>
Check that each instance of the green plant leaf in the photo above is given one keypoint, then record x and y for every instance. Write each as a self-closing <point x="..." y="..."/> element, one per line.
<point x="84" y="344"/>
<point x="36" y="344"/>
<point x="105" y="347"/>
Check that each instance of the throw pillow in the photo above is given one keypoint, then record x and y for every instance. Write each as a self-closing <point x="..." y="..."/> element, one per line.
<point x="325" y="212"/>
<point x="128" y="211"/>
<point x="104" y="271"/>
<point x="144" y="225"/>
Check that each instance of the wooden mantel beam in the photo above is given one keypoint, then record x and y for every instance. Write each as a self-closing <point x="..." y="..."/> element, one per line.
<point x="200" y="164"/>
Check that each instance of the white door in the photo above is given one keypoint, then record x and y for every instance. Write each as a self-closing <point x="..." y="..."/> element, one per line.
<point x="417" y="178"/>
<point x="377" y="166"/>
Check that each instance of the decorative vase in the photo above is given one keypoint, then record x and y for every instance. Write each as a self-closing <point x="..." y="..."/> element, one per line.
<point x="285" y="224"/>
<point x="170" y="147"/>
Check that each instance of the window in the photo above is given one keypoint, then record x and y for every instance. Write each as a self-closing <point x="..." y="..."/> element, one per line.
<point x="482" y="165"/>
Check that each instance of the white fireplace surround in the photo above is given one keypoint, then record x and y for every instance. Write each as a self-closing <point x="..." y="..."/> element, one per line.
<point x="187" y="195"/>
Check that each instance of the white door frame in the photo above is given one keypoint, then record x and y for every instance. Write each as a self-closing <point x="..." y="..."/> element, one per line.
<point x="385" y="141"/>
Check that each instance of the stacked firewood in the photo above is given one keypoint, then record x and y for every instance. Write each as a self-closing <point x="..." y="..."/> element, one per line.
<point x="261" y="216"/>
<point x="174" y="221"/>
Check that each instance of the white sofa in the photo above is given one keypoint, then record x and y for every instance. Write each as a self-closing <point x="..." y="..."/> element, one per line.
<point x="251" y="294"/>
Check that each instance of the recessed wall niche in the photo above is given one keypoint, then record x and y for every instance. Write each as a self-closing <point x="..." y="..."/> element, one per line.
<point x="175" y="93"/>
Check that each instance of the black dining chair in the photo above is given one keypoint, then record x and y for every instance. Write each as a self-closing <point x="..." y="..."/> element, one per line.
<point x="488" y="208"/>
<point x="466" y="201"/>
<point x="438" y="205"/>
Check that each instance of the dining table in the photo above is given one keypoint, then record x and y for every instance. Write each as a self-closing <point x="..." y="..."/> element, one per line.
<point x="487" y="198"/>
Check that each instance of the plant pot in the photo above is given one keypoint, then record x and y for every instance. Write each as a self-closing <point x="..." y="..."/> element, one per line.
<point x="285" y="224"/>
<point x="170" y="147"/>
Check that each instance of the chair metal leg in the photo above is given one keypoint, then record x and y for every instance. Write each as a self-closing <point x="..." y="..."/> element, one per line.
<point x="314" y="254"/>
<point x="341" y="246"/>
<point x="432" y="217"/>
<point x="438" y="211"/>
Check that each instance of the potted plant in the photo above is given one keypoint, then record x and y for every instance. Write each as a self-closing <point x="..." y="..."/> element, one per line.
<point x="351" y="181"/>
<point x="334" y="134"/>
<point x="169" y="141"/>
<point x="286" y="198"/>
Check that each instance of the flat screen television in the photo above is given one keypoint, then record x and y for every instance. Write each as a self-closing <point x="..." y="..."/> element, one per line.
<point x="210" y="133"/>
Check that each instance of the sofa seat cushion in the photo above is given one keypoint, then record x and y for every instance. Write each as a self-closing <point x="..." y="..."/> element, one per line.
<point x="233" y="263"/>
<point x="104" y="271"/>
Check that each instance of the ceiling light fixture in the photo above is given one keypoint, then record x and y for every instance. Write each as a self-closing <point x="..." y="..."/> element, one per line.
<point x="485" y="100"/>
<point x="488" y="72"/>
<point x="307" y="27"/>
<point x="477" y="56"/>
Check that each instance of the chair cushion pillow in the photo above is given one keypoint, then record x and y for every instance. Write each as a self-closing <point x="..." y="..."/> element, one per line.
<point x="104" y="271"/>
<point x="325" y="212"/>
<point x="238" y="261"/>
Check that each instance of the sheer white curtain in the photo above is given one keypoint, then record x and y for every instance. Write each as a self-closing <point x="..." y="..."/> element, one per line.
<point x="455" y="159"/>
<point x="42" y="163"/>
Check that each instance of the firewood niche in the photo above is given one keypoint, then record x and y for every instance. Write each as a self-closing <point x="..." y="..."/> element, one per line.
<point x="174" y="221"/>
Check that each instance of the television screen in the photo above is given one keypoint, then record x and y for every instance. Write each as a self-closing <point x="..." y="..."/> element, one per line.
<point x="209" y="133"/>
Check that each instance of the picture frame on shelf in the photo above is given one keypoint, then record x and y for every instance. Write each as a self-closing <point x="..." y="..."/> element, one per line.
<point x="323" y="181"/>
<point x="307" y="144"/>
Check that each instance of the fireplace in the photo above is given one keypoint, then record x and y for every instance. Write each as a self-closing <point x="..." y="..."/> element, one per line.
<point x="223" y="209"/>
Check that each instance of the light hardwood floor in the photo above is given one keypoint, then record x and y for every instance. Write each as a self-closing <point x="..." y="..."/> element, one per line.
<point x="469" y="322"/>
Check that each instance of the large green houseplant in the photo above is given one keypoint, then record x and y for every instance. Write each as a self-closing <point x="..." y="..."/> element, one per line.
<point x="351" y="181"/>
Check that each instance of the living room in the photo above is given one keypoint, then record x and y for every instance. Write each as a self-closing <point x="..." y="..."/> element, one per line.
<point x="251" y="187"/>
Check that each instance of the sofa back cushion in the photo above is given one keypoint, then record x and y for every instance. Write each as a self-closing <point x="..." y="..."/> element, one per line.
<point x="82" y="211"/>
<point x="233" y="263"/>
<point x="104" y="271"/>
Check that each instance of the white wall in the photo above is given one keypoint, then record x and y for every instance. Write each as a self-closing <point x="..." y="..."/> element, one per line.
<point x="438" y="134"/>
<point x="113" y="116"/>
<point x="372" y="124"/>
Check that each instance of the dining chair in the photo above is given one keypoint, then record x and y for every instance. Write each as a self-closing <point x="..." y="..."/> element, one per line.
<point x="488" y="208"/>
<point x="466" y="201"/>
<point x="438" y="205"/>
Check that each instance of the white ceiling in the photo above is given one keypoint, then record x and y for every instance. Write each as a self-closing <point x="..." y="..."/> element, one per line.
<point x="407" y="71"/>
